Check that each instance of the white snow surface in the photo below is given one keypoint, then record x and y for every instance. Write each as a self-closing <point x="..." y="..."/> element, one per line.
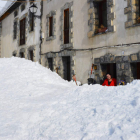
<point x="37" y="104"/>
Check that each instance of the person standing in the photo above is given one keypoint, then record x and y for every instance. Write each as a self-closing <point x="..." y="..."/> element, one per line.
<point x="109" y="81"/>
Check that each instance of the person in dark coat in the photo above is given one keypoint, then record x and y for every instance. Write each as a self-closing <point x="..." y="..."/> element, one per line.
<point x="109" y="81"/>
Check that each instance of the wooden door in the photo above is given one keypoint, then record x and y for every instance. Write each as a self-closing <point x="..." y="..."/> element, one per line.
<point x="66" y="68"/>
<point x="21" y="54"/>
<point x="31" y="55"/>
<point x="138" y="70"/>
<point x="50" y="63"/>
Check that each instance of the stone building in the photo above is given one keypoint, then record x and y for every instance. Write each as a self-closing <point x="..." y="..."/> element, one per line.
<point x="79" y="33"/>
<point x="20" y="31"/>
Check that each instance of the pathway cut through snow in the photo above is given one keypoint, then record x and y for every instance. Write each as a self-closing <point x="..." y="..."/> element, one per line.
<point x="37" y="104"/>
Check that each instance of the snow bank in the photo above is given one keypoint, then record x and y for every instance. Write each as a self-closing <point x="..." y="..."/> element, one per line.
<point x="36" y="104"/>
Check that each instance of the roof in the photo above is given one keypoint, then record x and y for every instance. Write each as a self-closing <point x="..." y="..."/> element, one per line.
<point x="10" y="7"/>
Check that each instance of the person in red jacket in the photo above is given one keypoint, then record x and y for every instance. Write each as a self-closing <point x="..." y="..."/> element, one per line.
<point x="109" y="81"/>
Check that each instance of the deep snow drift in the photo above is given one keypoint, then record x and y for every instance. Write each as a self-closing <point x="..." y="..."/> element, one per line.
<point x="36" y="104"/>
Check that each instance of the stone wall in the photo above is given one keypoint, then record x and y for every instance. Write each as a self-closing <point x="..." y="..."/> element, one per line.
<point x="94" y="21"/>
<point x="132" y="12"/>
<point x="123" y="66"/>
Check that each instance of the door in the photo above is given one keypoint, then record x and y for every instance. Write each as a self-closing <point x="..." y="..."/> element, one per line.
<point x="108" y="68"/>
<point x="66" y="68"/>
<point x="50" y="62"/>
<point x="31" y="55"/>
<point x="138" y="70"/>
<point x="21" y="54"/>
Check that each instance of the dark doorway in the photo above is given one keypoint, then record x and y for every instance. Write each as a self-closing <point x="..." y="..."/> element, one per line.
<point x="66" y="26"/>
<point x="50" y="62"/>
<point x="14" y="54"/>
<point x="66" y="68"/>
<point x="21" y="54"/>
<point x="135" y="69"/>
<point x="108" y="68"/>
<point x="31" y="55"/>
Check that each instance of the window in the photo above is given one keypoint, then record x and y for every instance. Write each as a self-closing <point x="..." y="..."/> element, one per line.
<point x="101" y="15"/>
<point x="31" y="21"/>
<point x="50" y="26"/>
<point x="15" y="29"/>
<point x="22" y="7"/>
<point x="22" y="31"/>
<point x="15" y="13"/>
<point x="66" y="26"/>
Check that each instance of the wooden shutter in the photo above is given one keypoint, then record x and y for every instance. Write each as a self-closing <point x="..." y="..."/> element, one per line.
<point x="22" y="31"/>
<point x="15" y="29"/>
<point x="50" y="26"/>
<point x="31" y="21"/>
<point x="66" y="26"/>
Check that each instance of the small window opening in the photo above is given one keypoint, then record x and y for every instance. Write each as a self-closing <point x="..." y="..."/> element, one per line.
<point x="66" y="26"/>
<point x="22" y="7"/>
<point x="50" y="26"/>
<point x="15" y="13"/>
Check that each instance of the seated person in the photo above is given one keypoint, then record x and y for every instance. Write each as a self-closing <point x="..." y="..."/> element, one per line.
<point x="109" y="81"/>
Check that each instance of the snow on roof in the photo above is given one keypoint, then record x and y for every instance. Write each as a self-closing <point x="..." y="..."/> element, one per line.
<point x="37" y="104"/>
<point x="6" y="7"/>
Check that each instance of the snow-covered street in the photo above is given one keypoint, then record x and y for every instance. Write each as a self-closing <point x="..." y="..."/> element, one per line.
<point x="37" y="104"/>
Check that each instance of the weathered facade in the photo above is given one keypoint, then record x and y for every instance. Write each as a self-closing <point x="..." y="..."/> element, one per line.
<point x="114" y="47"/>
<point x="21" y="40"/>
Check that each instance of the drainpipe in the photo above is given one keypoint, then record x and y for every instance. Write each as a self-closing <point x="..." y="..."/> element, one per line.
<point x="41" y="28"/>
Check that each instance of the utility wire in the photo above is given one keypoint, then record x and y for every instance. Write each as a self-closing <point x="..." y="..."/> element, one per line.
<point x="90" y="49"/>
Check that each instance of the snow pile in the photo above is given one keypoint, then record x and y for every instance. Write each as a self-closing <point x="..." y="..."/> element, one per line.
<point x="36" y="104"/>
